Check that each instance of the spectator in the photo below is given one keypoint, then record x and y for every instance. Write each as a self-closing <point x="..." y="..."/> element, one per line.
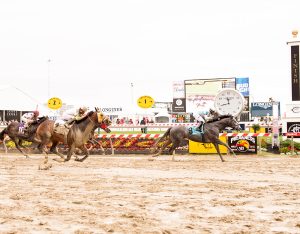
<point x="143" y="122"/>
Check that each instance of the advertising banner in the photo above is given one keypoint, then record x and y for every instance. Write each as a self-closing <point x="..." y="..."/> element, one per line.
<point x="207" y="148"/>
<point x="178" y="105"/>
<point x="242" y="85"/>
<point x="200" y="93"/>
<point x="243" y="144"/>
<point x="11" y="115"/>
<point x="293" y="127"/>
<point x="295" y="73"/>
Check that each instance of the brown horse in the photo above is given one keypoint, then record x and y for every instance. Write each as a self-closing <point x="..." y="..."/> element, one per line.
<point x="12" y="130"/>
<point x="76" y="137"/>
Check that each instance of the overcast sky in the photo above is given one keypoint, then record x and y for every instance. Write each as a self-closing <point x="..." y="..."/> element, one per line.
<point x="98" y="48"/>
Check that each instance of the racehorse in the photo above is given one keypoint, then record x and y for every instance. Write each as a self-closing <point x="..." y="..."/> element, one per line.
<point x="12" y="130"/>
<point x="77" y="136"/>
<point x="179" y="135"/>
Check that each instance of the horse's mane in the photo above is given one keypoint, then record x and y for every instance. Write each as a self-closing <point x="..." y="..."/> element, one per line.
<point x="219" y="118"/>
<point x="85" y="117"/>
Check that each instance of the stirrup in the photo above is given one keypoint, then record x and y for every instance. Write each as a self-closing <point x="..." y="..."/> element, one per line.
<point x="67" y="126"/>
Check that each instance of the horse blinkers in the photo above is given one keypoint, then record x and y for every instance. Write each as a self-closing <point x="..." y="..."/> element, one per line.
<point x="100" y="117"/>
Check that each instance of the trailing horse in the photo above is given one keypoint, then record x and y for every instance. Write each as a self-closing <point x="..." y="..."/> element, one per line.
<point x="179" y="135"/>
<point x="76" y="137"/>
<point x="13" y="131"/>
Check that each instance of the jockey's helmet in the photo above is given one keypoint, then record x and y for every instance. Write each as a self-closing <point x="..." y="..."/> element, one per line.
<point x="83" y="109"/>
<point x="36" y="113"/>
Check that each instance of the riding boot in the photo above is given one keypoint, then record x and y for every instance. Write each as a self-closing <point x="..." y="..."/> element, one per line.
<point x="68" y="124"/>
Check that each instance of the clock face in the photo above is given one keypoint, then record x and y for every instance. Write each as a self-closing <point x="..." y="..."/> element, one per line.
<point x="229" y="101"/>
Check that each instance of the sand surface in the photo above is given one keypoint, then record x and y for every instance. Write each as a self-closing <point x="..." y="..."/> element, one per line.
<point x="129" y="194"/>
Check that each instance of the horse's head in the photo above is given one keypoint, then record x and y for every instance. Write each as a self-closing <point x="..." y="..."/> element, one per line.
<point x="234" y="124"/>
<point x="105" y="123"/>
<point x="103" y="120"/>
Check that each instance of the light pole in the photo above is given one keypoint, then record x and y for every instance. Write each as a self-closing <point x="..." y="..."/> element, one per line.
<point x="131" y="90"/>
<point x="49" y="60"/>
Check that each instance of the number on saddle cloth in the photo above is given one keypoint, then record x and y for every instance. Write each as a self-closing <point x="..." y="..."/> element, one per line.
<point x="21" y="127"/>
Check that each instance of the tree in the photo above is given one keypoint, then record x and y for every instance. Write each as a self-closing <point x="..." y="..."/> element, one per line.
<point x="256" y="127"/>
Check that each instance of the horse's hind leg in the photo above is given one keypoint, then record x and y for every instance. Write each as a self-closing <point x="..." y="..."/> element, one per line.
<point x="172" y="149"/>
<point x="163" y="147"/>
<point x="53" y="149"/>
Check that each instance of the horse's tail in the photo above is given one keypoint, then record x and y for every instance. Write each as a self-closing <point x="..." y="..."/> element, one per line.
<point x="166" y="134"/>
<point x="2" y="133"/>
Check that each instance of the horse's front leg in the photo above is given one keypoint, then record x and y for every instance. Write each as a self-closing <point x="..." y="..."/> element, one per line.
<point x="18" y="146"/>
<point x="216" y="145"/>
<point x="227" y="146"/>
<point x="70" y="152"/>
<point x="86" y="153"/>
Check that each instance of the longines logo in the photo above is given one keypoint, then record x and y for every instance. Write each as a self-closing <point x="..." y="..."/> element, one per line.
<point x="294" y="128"/>
<point x="296" y="109"/>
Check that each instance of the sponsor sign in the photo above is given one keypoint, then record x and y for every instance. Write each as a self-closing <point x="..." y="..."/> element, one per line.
<point x="10" y="115"/>
<point x="1" y="115"/>
<point x="242" y="85"/>
<point x="293" y="127"/>
<point x="292" y="110"/>
<point x="206" y="148"/>
<point x="111" y="109"/>
<point x="178" y="105"/>
<point x="243" y="144"/>
<point x="200" y="93"/>
<point x="260" y="109"/>
<point x="178" y="89"/>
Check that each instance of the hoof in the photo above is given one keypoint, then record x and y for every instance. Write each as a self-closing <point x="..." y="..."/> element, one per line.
<point x="59" y="160"/>
<point x="151" y="159"/>
<point x="45" y="166"/>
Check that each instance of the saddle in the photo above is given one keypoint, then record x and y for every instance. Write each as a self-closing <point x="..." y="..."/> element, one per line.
<point x="196" y="130"/>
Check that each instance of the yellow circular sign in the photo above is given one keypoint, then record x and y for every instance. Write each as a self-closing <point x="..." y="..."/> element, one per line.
<point x="145" y="102"/>
<point x="54" y="103"/>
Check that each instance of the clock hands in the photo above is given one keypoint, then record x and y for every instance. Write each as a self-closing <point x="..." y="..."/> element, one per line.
<point x="228" y="99"/>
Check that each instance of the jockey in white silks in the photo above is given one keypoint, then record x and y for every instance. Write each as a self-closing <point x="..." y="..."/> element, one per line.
<point x="71" y="115"/>
<point x="29" y="118"/>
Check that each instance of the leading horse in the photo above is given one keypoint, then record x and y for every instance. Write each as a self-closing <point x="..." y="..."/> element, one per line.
<point x="77" y="136"/>
<point x="179" y="135"/>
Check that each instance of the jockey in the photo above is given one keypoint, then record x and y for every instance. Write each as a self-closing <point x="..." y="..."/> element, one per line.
<point x="200" y="120"/>
<point x="28" y="118"/>
<point x="74" y="114"/>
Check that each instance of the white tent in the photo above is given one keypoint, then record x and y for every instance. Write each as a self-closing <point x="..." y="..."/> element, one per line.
<point x="163" y="117"/>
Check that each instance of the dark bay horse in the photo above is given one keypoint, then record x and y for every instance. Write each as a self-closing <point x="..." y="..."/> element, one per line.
<point x="179" y="135"/>
<point x="12" y="130"/>
<point x="77" y="136"/>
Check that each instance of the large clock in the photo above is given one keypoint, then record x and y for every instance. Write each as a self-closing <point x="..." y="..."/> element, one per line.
<point x="229" y="101"/>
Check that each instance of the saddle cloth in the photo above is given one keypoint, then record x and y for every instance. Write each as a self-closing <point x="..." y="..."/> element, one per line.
<point x="61" y="129"/>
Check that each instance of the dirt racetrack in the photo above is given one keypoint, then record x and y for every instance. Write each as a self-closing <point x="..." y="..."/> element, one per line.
<point x="129" y="194"/>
